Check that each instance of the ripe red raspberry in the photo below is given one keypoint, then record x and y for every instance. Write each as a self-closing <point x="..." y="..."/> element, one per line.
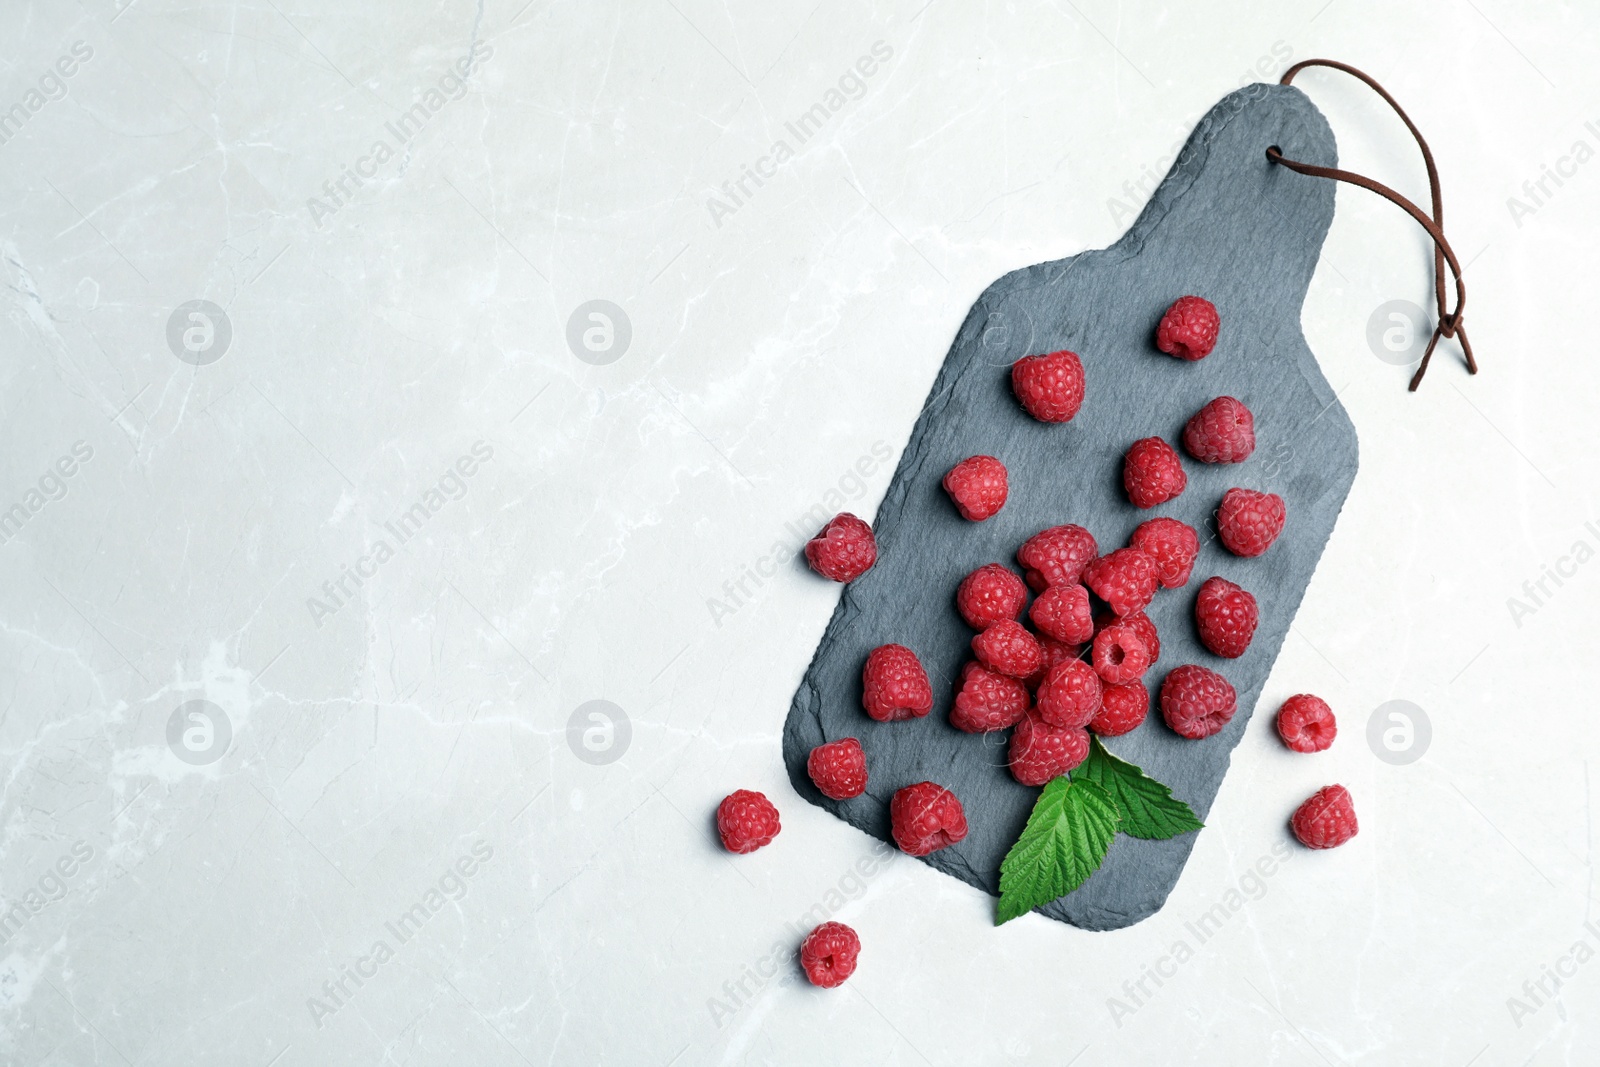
<point x="1069" y="695"/>
<point x="1054" y="652"/>
<point x="838" y="769"/>
<point x="1172" y="544"/>
<point x="1125" y="579"/>
<point x="1056" y="556"/>
<point x="894" y="686"/>
<point x="1223" y="431"/>
<point x="1049" y="386"/>
<point x="1120" y="656"/>
<point x="1144" y="628"/>
<point x="1141" y="625"/>
<point x="978" y="487"/>
<point x="1152" y="473"/>
<point x="1306" y="723"/>
<point x="989" y="595"/>
<point x="1327" y="819"/>
<point x="1040" y="751"/>
<point x="1189" y="328"/>
<point x="844" y="550"/>
<point x="1062" y="612"/>
<point x="1007" y="647"/>
<point x="1226" y="616"/>
<point x="746" y="820"/>
<point x="1196" y="702"/>
<point x="1122" y="708"/>
<point x="828" y="954"/>
<point x="1248" y="522"/>
<point x="924" y="817"/>
<point x="987" y="701"/>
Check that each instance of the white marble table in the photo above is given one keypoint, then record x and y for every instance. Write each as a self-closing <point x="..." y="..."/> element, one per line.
<point x="306" y="419"/>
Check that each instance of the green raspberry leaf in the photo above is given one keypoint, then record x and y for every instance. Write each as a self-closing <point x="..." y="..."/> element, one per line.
<point x="1146" y="808"/>
<point x="1064" y="842"/>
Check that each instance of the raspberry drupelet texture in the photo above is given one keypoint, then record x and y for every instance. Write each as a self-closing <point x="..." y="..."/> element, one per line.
<point x="1008" y="648"/>
<point x="1327" y="819"/>
<point x="894" y="686"/>
<point x="1056" y="556"/>
<point x="1223" y="431"/>
<point x="746" y="820"/>
<point x="1189" y="328"/>
<point x="1122" y="709"/>
<point x="1306" y="723"/>
<point x="1125" y="579"/>
<point x="828" y="954"/>
<point x="1040" y="751"/>
<point x="987" y="700"/>
<point x="1172" y="544"/>
<point x="925" y="817"/>
<point x="1063" y="612"/>
<point x="1226" y="616"/>
<point x="1152" y="473"/>
<point x="989" y="595"/>
<point x="1069" y="695"/>
<point x="1050" y="386"/>
<point x="1141" y="625"/>
<point x="1054" y="652"/>
<point x="1249" y="521"/>
<point x="1120" y="655"/>
<point x="844" y="550"/>
<point x="978" y="486"/>
<point x="838" y="769"/>
<point x="1197" y="702"/>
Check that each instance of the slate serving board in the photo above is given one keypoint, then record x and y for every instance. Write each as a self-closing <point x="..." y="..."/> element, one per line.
<point x="1224" y="224"/>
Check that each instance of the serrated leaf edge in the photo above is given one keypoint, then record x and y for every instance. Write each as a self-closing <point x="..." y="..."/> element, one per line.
<point x="1014" y="900"/>
<point x="1127" y="824"/>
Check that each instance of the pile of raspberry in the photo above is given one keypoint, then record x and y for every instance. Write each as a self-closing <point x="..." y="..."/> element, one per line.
<point x="1062" y="649"/>
<point x="1072" y="658"/>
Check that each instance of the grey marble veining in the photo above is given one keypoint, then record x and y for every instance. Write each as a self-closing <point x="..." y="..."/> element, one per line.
<point x="409" y="414"/>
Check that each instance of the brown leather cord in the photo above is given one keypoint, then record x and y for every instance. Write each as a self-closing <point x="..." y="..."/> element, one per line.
<point x="1450" y="324"/>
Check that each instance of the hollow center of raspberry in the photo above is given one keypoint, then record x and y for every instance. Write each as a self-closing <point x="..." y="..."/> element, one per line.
<point x="1116" y="655"/>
